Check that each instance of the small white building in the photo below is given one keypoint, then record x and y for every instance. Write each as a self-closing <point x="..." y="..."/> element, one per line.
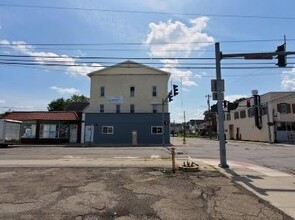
<point x="270" y="119"/>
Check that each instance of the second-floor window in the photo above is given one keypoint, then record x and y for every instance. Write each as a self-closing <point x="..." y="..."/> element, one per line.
<point x="243" y="114"/>
<point x="284" y="108"/>
<point x="154" y="90"/>
<point x="250" y="112"/>
<point x="236" y="115"/>
<point x="102" y="91"/>
<point x="132" y="91"/>
<point x="132" y="108"/>
<point x="228" y="118"/>
<point x="101" y="108"/>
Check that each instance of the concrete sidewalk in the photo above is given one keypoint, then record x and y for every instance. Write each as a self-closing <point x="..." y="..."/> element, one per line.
<point x="276" y="187"/>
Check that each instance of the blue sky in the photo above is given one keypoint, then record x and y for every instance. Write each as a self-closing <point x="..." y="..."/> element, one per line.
<point x="132" y="35"/>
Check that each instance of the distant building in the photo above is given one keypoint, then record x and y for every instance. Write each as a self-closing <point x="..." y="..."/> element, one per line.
<point x="196" y="126"/>
<point x="125" y="106"/>
<point x="270" y="119"/>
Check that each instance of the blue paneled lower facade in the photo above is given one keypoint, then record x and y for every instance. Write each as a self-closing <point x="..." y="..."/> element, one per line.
<point x="127" y="129"/>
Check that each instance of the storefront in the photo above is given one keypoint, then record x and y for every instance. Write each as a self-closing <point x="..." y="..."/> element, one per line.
<point x="48" y="127"/>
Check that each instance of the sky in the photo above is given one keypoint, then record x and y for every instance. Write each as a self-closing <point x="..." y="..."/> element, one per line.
<point x="172" y="35"/>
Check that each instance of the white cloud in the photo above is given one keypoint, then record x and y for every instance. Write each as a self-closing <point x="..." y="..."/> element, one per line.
<point x="288" y="80"/>
<point x="2" y="101"/>
<point x="185" y="39"/>
<point x="232" y="98"/>
<point x="50" y="57"/>
<point x="65" y="90"/>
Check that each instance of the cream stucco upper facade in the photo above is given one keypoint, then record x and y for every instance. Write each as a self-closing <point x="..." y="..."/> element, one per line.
<point x="125" y="86"/>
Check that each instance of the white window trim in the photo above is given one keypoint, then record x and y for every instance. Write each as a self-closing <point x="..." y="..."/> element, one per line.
<point x="156" y="127"/>
<point x="102" y="127"/>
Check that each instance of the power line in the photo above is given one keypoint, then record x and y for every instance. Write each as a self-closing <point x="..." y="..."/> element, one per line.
<point x="59" y="60"/>
<point x="106" y="66"/>
<point x="147" y="12"/>
<point x="252" y="75"/>
<point x="111" y="58"/>
<point x="140" y="43"/>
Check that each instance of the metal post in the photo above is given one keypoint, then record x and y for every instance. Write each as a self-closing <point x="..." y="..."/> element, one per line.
<point x="222" y="150"/>
<point x="173" y="159"/>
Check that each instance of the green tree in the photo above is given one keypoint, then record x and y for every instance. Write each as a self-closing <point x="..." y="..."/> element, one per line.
<point x="61" y="104"/>
<point x="78" y="98"/>
<point x="58" y="105"/>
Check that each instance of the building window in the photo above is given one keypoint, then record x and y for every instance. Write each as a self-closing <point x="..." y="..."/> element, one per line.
<point x="293" y="106"/>
<point x="154" y="90"/>
<point x="102" y="91"/>
<point x="236" y="115"/>
<point x="28" y="130"/>
<point x="284" y="108"/>
<point x="157" y="129"/>
<point x="132" y="108"/>
<point x="228" y="117"/>
<point x="101" y="108"/>
<point x="132" y="91"/>
<point x="48" y="131"/>
<point x="118" y="108"/>
<point x="155" y="108"/>
<point x="250" y="112"/>
<point x="264" y="110"/>
<point x="107" y="130"/>
<point x="243" y="114"/>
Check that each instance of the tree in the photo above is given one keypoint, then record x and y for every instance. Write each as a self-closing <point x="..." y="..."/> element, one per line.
<point x="78" y="98"/>
<point x="61" y="104"/>
<point x="57" y="105"/>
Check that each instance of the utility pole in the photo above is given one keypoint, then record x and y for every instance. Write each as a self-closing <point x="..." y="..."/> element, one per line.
<point x="222" y="150"/>
<point x="209" y="113"/>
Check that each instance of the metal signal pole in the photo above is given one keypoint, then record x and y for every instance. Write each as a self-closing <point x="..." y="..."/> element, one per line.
<point x="222" y="150"/>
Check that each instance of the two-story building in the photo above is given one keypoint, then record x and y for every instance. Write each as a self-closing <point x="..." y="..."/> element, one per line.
<point x="271" y="118"/>
<point x="125" y="106"/>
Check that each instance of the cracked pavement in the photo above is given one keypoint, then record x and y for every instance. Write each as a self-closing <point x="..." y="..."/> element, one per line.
<point x="126" y="194"/>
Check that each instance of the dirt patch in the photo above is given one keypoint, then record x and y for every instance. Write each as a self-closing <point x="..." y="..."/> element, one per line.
<point x="125" y="194"/>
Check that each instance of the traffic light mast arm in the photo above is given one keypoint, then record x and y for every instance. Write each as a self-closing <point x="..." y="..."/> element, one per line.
<point x="256" y="56"/>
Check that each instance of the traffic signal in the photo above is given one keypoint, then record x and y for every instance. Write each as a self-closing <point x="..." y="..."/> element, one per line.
<point x="175" y="90"/>
<point x="170" y="95"/>
<point x="282" y="61"/>
<point x="248" y="103"/>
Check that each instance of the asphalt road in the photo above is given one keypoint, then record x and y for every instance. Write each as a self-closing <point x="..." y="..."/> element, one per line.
<point x="276" y="156"/>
